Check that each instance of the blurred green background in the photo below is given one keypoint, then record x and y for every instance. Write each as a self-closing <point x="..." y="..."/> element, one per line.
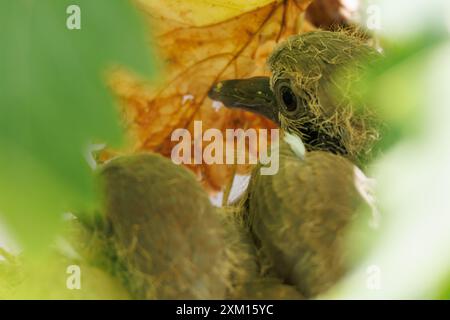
<point x="409" y="257"/>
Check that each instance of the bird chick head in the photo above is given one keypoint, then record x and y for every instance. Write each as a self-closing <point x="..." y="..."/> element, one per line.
<point x="310" y="92"/>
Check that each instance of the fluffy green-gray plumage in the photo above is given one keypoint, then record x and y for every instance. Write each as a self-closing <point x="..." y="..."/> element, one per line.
<point x="310" y="93"/>
<point x="165" y="229"/>
<point x="299" y="218"/>
<point x="318" y="70"/>
<point x="246" y="277"/>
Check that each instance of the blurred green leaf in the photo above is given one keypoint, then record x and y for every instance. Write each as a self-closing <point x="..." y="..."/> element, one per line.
<point x="394" y="87"/>
<point x="46" y="279"/>
<point x="411" y="253"/>
<point x="53" y="103"/>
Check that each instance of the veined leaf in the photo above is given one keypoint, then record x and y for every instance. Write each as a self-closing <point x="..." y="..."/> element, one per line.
<point x="202" y="46"/>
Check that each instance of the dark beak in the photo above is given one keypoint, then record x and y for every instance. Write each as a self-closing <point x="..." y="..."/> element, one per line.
<point x="253" y="94"/>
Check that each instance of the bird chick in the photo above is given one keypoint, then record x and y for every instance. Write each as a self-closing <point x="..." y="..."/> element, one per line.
<point x="165" y="229"/>
<point x="299" y="217"/>
<point x="310" y="93"/>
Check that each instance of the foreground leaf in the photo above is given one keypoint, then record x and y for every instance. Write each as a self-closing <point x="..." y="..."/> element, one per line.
<point x="53" y="104"/>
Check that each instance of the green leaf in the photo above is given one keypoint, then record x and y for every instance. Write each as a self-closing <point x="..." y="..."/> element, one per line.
<point x="393" y="86"/>
<point x="54" y="102"/>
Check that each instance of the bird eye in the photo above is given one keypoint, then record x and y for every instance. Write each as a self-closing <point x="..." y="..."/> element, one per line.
<point x="289" y="99"/>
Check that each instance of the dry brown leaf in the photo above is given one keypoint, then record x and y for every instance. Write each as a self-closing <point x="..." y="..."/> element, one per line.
<point x="196" y="57"/>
